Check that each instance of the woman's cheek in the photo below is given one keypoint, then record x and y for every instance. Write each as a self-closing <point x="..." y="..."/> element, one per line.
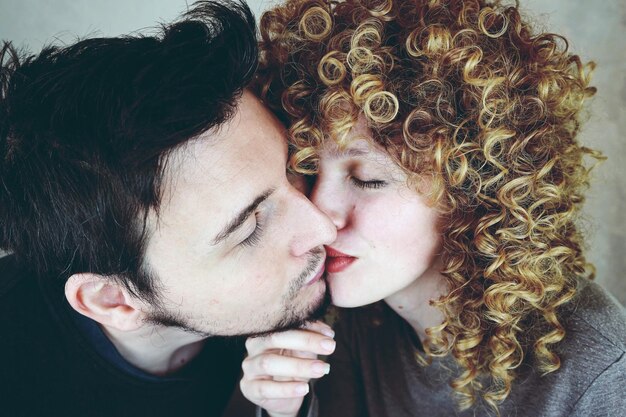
<point x="378" y="220"/>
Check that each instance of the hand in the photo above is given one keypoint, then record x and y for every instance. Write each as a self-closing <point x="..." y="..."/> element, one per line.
<point x="278" y="368"/>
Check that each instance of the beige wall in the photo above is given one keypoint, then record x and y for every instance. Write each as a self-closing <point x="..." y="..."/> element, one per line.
<point x="596" y="30"/>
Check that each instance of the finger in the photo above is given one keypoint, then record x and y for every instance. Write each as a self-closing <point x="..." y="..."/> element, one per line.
<point x="273" y="365"/>
<point x="302" y="340"/>
<point x="319" y="327"/>
<point x="263" y="390"/>
<point x="282" y="406"/>
<point x="301" y="354"/>
<point x="286" y="378"/>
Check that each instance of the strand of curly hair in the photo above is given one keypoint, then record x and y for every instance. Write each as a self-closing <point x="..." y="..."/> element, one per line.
<point x="464" y="92"/>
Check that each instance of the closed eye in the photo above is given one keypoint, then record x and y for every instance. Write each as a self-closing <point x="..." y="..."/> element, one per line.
<point x="255" y="237"/>
<point x="369" y="184"/>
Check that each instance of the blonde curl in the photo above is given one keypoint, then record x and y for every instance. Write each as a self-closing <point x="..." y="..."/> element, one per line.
<point x="331" y="70"/>
<point x="316" y="23"/>
<point x="381" y="107"/>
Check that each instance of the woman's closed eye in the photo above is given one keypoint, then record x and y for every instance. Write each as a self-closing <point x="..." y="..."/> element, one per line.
<point x="367" y="184"/>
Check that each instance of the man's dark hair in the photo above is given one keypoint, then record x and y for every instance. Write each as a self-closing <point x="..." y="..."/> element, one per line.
<point x="85" y="130"/>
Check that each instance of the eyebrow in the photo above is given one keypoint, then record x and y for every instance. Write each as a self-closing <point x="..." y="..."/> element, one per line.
<point x="241" y="217"/>
<point x="336" y="153"/>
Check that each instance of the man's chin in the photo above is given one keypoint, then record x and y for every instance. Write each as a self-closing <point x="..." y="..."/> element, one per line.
<point x="293" y="320"/>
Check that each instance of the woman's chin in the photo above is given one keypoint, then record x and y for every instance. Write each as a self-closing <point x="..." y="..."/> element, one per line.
<point x="351" y="297"/>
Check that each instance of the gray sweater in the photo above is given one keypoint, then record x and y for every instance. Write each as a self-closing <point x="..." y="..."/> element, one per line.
<point x="374" y="372"/>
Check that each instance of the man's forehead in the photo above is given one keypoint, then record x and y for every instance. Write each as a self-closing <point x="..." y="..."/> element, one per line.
<point x="197" y="201"/>
<point x="223" y="170"/>
<point x="212" y="154"/>
<point x="209" y="188"/>
<point x="251" y="139"/>
<point x="209" y="172"/>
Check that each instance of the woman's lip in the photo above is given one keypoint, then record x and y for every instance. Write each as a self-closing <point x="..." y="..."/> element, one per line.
<point x="334" y="253"/>
<point x="338" y="264"/>
<point x="337" y="261"/>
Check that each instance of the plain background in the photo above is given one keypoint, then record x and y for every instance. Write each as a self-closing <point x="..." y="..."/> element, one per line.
<point x="596" y="31"/>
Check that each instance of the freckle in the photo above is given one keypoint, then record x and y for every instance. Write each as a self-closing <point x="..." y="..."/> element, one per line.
<point x="213" y="301"/>
<point x="400" y="307"/>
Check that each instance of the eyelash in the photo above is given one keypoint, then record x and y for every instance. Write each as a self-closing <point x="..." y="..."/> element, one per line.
<point x="255" y="236"/>
<point x="373" y="184"/>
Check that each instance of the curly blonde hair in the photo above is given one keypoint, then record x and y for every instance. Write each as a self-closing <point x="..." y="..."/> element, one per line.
<point x="462" y="91"/>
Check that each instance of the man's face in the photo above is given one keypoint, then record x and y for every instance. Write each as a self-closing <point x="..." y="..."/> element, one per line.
<point x="235" y="247"/>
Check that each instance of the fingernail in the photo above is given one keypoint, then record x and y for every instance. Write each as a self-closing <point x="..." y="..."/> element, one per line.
<point x="328" y="332"/>
<point x="328" y="345"/>
<point x="302" y="389"/>
<point x="320" y="368"/>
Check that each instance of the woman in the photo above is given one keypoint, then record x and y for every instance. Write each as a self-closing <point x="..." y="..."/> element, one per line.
<point x="443" y="136"/>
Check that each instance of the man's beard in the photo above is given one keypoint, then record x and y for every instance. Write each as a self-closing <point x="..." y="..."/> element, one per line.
<point x="295" y="321"/>
<point x="293" y="316"/>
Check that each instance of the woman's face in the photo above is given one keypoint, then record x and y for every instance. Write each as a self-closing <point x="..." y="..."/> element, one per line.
<point x="387" y="235"/>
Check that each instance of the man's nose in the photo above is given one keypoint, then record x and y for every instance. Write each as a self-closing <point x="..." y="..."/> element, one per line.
<point x="315" y="228"/>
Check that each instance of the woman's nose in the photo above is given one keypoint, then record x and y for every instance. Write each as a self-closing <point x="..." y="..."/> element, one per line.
<point x="330" y="201"/>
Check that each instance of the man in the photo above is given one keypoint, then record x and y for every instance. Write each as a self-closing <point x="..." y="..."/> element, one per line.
<point x="144" y="197"/>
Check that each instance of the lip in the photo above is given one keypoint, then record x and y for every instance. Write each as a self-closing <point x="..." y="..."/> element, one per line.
<point x="317" y="276"/>
<point x="337" y="261"/>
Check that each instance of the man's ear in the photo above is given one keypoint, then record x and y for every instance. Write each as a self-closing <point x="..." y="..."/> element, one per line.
<point x="104" y="300"/>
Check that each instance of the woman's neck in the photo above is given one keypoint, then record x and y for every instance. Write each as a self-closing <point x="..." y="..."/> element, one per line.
<point x="413" y="303"/>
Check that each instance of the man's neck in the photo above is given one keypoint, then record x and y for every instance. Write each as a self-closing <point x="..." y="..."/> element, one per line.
<point x="157" y="350"/>
<point x="412" y="303"/>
